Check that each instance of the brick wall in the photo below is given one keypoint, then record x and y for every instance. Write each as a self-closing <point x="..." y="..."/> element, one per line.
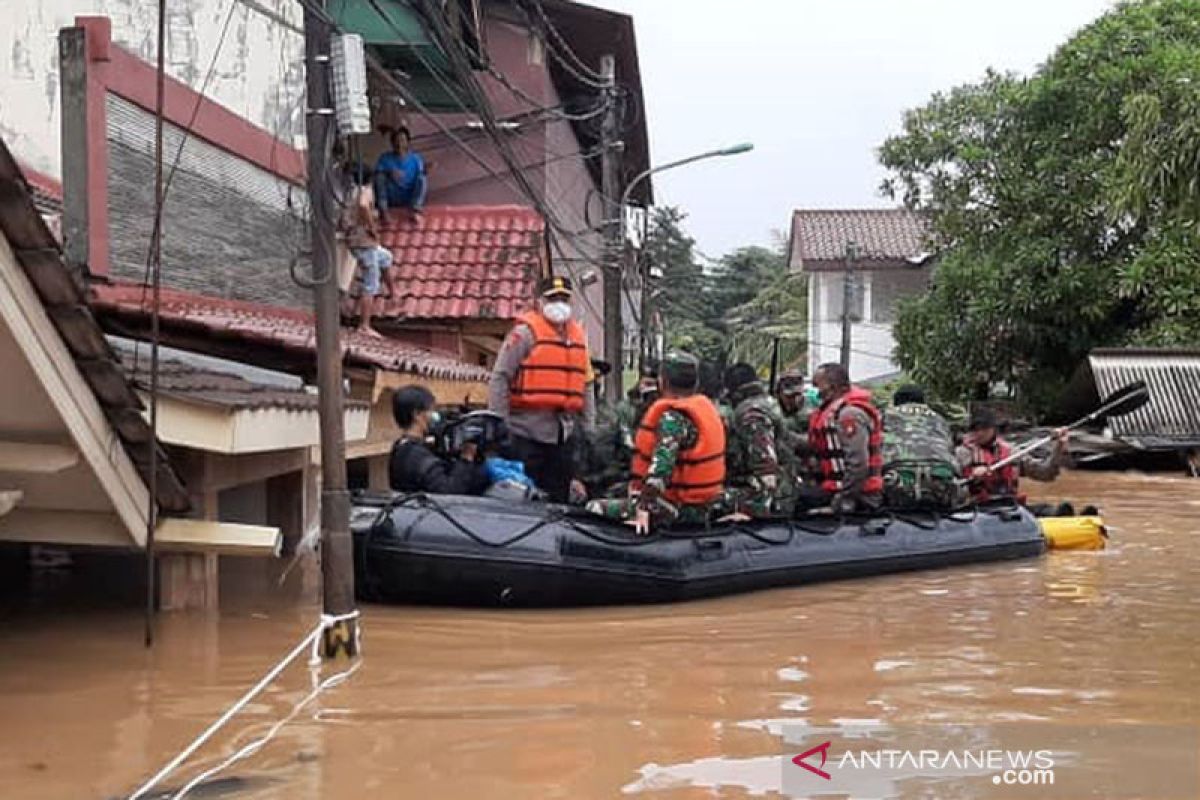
<point x="230" y="228"/>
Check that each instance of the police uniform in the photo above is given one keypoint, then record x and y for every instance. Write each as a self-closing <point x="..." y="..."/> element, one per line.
<point x="540" y="386"/>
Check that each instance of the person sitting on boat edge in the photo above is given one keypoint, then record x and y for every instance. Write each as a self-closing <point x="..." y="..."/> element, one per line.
<point x="761" y="472"/>
<point x="982" y="448"/>
<point x="678" y="465"/>
<point x="845" y="435"/>
<point x="413" y="467"/>
<point x="540" y="386"/>
<point x="919" y="466"/>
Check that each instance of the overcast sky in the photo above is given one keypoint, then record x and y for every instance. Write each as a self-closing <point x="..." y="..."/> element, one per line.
<point x="816" y="85"/>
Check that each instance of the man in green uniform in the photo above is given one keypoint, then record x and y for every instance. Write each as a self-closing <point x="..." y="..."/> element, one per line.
<point x="919" y="468"/>
<point x="761" y="468"/>
<point x="679" y="460"/>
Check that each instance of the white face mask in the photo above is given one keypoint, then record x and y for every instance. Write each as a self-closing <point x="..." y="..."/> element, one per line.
<point x="557" y="312"/>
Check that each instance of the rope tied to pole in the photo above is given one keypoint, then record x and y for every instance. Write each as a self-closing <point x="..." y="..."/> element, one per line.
<point x="310" y="642"/>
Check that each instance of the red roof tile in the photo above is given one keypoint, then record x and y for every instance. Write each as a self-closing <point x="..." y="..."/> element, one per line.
<point x="463" y="262"/>
<point x="272" y="326"/>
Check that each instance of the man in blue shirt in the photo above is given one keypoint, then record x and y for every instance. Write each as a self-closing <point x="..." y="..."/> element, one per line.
<point x="400" y="176"/>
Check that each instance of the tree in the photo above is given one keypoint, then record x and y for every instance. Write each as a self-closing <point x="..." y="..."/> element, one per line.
<point x="1065" y="206"/>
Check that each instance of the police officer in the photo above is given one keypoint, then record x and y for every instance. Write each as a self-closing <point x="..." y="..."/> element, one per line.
<point x="540" y="386"/>
<point x="846" y="437"/>
<point x="761" y="472"/>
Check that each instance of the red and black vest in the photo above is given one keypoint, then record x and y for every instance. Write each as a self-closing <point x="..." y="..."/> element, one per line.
<point x="699" y="475"/>
<point x="825" y="439"/>
<point x="553" y="377"/>
<point x="1003" y="482"/>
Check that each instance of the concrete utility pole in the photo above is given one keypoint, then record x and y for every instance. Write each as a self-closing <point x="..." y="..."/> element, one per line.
<point x="614" y="230"/>
<point x="847" y="302"/>
<point x="337" y="548"/>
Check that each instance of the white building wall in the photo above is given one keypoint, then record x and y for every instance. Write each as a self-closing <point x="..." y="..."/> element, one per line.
<point x="871" y="333"/>
<point x="258" y="75"/>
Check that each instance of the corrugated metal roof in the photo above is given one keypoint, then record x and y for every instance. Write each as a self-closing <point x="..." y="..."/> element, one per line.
<point x="1171" y="420"/>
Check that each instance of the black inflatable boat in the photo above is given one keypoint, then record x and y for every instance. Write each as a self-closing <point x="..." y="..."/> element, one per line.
<point x="470" y="551"/>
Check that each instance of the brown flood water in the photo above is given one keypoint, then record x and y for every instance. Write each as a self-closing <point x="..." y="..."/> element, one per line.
<point x="672" y="702"/>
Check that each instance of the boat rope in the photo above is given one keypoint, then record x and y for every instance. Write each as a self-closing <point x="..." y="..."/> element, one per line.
<point x="256" y="745"/>
<point x="309" y="642"/>
<point x="564" y="517"/>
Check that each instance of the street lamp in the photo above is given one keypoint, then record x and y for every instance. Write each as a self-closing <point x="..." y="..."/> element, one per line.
<point x="733" y="150"/>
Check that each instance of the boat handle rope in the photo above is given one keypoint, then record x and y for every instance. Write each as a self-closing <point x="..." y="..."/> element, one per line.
<point x="311" y="643"/>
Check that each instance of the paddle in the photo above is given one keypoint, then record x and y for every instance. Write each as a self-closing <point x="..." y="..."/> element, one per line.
<point x="1124" y="401"/>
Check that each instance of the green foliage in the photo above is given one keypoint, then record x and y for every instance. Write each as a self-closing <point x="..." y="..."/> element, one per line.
<point x="731" y="311"/>
<point x="1065" y="207"/>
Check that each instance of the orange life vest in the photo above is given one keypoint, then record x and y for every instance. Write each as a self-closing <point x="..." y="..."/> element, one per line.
<point x="699" y="475"/>
<point x="825" y="439"/>
<point x="553" y="377"/>
<point x="1003" y="482"/>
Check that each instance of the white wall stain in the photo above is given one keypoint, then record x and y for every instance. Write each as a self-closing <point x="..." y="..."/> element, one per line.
<point x="259" y="74"/>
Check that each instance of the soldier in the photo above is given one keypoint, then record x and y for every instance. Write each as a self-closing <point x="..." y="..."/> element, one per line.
<point x="919" y="470"/>
<point x="678" y="465"/>
<point x="761" y="469"/>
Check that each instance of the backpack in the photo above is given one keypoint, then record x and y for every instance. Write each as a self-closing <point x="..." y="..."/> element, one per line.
<point x="919" y="469"/>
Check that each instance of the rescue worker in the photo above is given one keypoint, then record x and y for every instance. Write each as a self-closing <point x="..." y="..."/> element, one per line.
<point x="845" y="435"/>
<point x="678" y="467"/>
<point x="761" y="472"/>
<point x="982" y="447"/>
<point x="540" y="387"/>
<point x="919" y="467"/>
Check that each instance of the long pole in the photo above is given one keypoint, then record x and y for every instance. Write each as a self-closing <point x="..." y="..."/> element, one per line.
<point x="337" y="556"/>
<point x="614" y="230"/>
<point x="156" y="298"/>
<point x="847" y="302"/>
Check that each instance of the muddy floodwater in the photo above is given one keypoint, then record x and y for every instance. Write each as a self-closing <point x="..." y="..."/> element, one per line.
<point x="660" y="702"/>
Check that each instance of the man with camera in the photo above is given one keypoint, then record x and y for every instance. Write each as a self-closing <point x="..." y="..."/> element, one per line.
<point x="414" y="467"/>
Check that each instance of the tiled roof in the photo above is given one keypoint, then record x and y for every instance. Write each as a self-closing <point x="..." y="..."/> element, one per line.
<point x="64" y="297"/>
<point x="213" y="387"/>
<point x="463" y="262"/>
<point x="891" y="236"/>
<point x="47" y="193"/>
<point x="288" y="329"/>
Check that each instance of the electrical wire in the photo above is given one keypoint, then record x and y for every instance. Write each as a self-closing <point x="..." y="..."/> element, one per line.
<point x="568" y="59"/>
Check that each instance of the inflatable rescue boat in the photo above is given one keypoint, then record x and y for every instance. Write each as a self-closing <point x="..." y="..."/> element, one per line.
<point x="473" y="551"/>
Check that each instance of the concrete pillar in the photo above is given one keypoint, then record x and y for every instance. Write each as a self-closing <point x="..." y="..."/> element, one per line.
<point x="190" y="581"/>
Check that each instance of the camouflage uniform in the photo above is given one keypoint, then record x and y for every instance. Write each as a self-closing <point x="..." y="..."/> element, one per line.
<point x="918" y="458"/>
<point x="608" y="451"/>
<point x="676" y="434"/>
<point x="760" y="462"/>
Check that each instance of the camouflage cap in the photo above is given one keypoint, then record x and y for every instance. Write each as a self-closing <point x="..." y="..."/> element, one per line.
<point x="790" y="382"/>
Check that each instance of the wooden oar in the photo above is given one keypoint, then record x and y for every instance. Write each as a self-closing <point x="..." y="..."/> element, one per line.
<point x="1124" y="401"/>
